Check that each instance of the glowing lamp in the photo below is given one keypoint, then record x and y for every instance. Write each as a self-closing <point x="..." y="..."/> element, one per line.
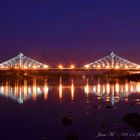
<point x="126" y="67"/>
<point x="107" y="66"/>
<point x="138" y="67"/>
<point x="25" y="67"/>
<point x="117" y="67"/>
<point x="46" y="66"/>
<point x="72" y="66"/>
<point x="86" y="66"/>
<point x="60" y="67"/>
<point x="34" y="67"/>
<point x="98" y="66"/>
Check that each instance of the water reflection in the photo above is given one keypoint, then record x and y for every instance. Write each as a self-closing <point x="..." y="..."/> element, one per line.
<point x="86" y="88"/>
<point x="46" y="90"/>
<point x="60" y="89"/>
<point x="22" y="91"/>
<point x="72" y="90"/>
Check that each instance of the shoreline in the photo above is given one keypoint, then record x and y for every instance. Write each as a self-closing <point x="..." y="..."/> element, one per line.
<point x="75" y="74"/>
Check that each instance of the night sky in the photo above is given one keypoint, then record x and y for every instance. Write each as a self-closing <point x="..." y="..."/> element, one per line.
<point x="70" y="31"/>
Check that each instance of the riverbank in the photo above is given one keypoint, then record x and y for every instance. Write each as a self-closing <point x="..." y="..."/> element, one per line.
<point x="66" y="74"/>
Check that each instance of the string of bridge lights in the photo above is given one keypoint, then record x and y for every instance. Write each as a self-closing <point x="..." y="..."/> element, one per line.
<point x="111" y="61"/>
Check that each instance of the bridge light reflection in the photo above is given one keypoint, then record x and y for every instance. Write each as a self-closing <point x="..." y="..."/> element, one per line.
<point x="87" y="89"/>
<point x="107" y="91"/>
<point x="117" y="88"/>
<point x="138" y="87"/>
<point x="126" y="88"/>
<point x="34" y="89"/>
<point x="72" y="90"/>
<point x="29" y="91"/>
<point x="107" y="88"/>
<point x="98" y="88"/>
<point x="60" y="89"/>
<point x="46" y="90"/>
<point x="16" y="89"/>
<point x="6" y="89"/>
<point x="25" y="88"/>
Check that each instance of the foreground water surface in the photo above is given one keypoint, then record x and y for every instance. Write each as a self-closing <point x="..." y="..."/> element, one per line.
<point x="36" y="110"/>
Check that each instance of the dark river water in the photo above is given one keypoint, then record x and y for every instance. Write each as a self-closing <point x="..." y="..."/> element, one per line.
<point x="35" y="110"/>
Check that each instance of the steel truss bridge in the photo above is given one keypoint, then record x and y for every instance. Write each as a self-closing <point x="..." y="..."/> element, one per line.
<point x="22" y="62"/>
<point x="111" y="61"/>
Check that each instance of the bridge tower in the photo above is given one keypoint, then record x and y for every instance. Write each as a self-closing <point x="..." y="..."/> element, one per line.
<point x="112" y="60"/>
<point x="21" y="60"/>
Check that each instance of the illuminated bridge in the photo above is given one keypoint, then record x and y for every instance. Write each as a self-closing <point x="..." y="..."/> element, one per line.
<point x="112" y="61"/>
<point x="22" y="62"/>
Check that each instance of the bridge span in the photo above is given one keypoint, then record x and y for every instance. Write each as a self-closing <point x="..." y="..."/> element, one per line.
<point x="110" y="62"/>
